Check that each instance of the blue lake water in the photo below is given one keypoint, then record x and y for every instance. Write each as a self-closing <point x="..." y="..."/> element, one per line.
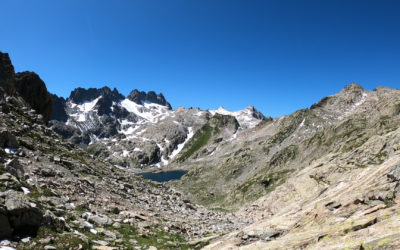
<point x="163" y="176"/>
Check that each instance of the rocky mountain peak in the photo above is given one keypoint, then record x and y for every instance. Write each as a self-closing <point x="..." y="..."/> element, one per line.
<point x="7" y="75"/>
<point x="349" y="97"/>
<point x="352" y="94"/>
<point x="247" y="118"/>
<point x="33" y="90"/>
<point x="29" y="86"/>
<point x="255" y="113"/>
<point x="81" y="95"/>
<point x="140" y="97"/>
<point x="353" y="88"/>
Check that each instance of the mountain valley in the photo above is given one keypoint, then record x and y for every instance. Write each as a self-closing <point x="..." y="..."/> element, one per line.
<point x="324" y="177"/>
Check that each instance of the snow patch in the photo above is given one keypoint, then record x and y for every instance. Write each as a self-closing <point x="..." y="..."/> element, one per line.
<point x="180" y="146"/>
<point x="10" y="150"/>
<point x="164" y="161"/>
<point x="6" y="248"/>
<point x="81" y="118"/>
<point x="302" y="123"/>
<point x="234" y="136"/>
<point x="160" y="147"/>
<point x="355" y="105"/>
<point x="88" y="106"/>
<point x="244" y="117"/>
<point x="25" y="190"/>
<point x="150" y="112"/>
<point x="125" y="153"/>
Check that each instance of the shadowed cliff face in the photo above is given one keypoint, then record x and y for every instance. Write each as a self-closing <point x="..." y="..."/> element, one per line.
<point x="7" y="75"/>
<point x="59" y="113"/>
<point x="34" y="91"/>
<point x="28" y="85"/>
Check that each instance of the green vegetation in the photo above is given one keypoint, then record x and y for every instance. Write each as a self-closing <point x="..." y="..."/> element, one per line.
<point x="60" y="241"/>
<point x="268" y="182"/>
<point x="355" y="142"/>
<point x="203" y="135"/>
<point x="154" y="237"/>
<point x="289" y="125"/>
<point x="36" y="193"/>
<point x="396" y="109"/>
<point x="264" y="122"/>
<point x="80" y="209"/>
<point x="200" y="139"/>
<point x="132" y="236"/>
<point x="285" y="155"/>
<point x="258" y="186"/>
<point x="2" y="170"/>
<point x="319" y="179"/>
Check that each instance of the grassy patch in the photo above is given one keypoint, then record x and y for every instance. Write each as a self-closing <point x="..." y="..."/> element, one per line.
<point x="80" y="209"/>
<point x="285" y="155"/>
<point x="258" y="186"/>
<point x="44" y="191"/>
<point x="154" y="237"/>
<point x="200" y="139"/>
<point x="289" y="125"/>
<point x="2" y="169"/>
<point x="60" y="241"/>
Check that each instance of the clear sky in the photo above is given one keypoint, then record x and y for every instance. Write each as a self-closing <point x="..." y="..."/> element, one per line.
<point x="277" y="55"/>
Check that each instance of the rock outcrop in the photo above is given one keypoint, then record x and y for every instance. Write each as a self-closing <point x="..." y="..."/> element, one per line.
<point x="28" y="85"/>
<point x="7" y="74"/>
<point x="81" y="95"/>
<point x="140" y="97"/>
<point x="58" y="113"/>
<point x="7" y="139"/>
<point x="34" y="91"/>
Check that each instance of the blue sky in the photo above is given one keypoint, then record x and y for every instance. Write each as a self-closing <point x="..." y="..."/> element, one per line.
<point x="279" y="56"/>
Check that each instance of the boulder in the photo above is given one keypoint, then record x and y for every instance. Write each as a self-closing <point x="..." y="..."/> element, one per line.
<point x="55" y="223"/>
<point x="394" y="173"/>
<point x="8" y="140"/>
<point x="100" y="220"/>
<point x="5" y="228"/>
<point x="8" y="181"/>
<point x="15" y="168"/>
<point x="23" y="216"/>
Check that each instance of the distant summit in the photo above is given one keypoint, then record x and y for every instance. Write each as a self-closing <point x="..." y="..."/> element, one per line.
<point x="81" y="95"/>
<point x="247" y="118"/>
<point x="139" y="97"/>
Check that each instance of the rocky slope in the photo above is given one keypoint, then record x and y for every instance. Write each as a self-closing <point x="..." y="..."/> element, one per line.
<point x="55" y="195"/>
<point x="320" y="178"/>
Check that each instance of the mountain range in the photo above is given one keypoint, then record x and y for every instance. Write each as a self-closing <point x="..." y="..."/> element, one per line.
<point x="324" y="177"/>
<point x="147" y="130"/>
